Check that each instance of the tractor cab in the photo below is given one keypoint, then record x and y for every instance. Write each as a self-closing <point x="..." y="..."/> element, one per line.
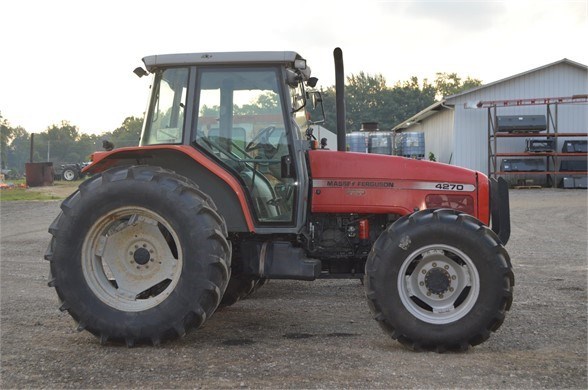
<point x="248" y="117"/>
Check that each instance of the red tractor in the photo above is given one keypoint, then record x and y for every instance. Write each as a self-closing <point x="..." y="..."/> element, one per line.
<point x="228" y="189"/>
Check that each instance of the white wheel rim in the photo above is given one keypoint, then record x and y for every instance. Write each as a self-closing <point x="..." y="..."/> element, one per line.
<point x="132" y="259"/>
<point x="438" y="284"/>
<point x="68" y="175"/>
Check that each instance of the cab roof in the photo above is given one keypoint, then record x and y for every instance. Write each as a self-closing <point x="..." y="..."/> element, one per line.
<point x="248" y="57"/>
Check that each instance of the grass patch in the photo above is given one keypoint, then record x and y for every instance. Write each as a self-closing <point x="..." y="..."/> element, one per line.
<point x="24" y="194"/>
<point x="59" y="190"/>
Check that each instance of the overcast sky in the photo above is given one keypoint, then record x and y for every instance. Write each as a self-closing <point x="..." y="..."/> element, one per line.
<point x="73" y="60"/>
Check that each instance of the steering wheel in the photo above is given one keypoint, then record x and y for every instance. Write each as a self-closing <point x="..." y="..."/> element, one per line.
<point x="283" y="194"/>
<point x="261" y="140"/>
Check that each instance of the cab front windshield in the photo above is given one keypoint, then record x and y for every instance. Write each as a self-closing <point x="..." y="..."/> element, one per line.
<point x="165" y="121"/>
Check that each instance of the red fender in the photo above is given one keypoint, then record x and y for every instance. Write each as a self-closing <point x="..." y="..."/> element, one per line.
<point x="104" y="160"/>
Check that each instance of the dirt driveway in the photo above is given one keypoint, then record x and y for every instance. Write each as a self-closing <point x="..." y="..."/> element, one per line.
<point x="309" y="334"/>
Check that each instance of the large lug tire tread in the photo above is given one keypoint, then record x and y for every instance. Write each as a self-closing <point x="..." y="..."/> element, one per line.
<point x="258" y="284"/>
<point x="469" y="235"/>
<point x="202" y="233"/>
<point x="240" y="287"/>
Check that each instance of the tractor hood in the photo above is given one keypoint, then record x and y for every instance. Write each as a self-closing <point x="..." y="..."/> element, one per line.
<point x="332" y="164"/>
<point x="373" y="183"/>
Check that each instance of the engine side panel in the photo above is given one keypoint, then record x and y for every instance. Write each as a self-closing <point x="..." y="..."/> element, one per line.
<point x="347" y="182"/>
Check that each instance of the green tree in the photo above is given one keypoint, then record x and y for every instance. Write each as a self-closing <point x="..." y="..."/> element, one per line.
<point x="408" y="98"/>
<point x="209" y="111"/>
<point x="88" y="144"/>
<point x="61" y="143"/>
<point x="266" y="103"/>
<point x="369" y="99"/>
<point x="448" y="84"/>
<point x="6" y="135"/>
<point x="127" y="134"/>
<point x="57" y="143"/>
<point x="329" y="105"/>
<point x="18" y="150"/>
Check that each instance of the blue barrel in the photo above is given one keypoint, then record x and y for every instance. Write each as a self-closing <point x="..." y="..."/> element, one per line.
<point x="412" y="144"/>
<point x="380" y="142"/>
<point x="357" y="141"/>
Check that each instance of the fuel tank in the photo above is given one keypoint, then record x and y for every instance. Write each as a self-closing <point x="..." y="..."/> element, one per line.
<point x="348" y="182"/>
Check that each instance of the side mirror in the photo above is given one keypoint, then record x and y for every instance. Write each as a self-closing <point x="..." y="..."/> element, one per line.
<point x="315" y="99"/>
<point x="287" y="167"/>
<point x="318" y="112"/>
<point x="140" y="72"/>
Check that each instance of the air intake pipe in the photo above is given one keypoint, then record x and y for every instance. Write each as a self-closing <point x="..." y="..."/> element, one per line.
<point x="340" y="104"/>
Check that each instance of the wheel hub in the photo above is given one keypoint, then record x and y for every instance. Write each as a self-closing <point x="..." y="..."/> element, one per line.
<point x="149" y="262"/>
<point x="437" y="280"/>
<point x="141" y="256"/>
<point x="432" y="282"/>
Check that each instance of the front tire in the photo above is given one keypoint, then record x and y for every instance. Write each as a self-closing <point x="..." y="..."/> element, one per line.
<point x="69" y="174"/>
<point x="439" y="280"/>
<point x="139" y="254"/>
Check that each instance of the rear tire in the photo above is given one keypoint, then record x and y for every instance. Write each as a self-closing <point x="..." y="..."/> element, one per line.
<point x="240" y="287"/>
<point x="139" y="254"/>
<point x="439" y="280"/>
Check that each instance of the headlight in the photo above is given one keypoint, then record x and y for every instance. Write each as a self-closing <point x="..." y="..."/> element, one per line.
<point x="463" y="203"/>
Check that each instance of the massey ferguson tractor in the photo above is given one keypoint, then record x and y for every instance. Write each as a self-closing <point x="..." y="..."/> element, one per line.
<point x="228" y="189"/>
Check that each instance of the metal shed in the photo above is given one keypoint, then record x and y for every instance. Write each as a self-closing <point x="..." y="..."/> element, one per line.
<point x="456" y="130"/>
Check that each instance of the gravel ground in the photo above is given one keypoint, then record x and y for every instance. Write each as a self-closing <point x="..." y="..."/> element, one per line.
<point x="309" y="334"/>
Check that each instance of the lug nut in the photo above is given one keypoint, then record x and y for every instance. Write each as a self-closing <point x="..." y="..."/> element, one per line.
<point x="422" y="283"/>
<point x="424" y="271"/>
<point x="440" y="295"/>
<point x="446" y="267"/>
<point x="434" y="265"/>
<point x="453" y="277"/>
<point x="450" y="289"/>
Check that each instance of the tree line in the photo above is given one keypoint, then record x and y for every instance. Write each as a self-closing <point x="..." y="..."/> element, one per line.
<point x="368" y="99"/>
<point x="60" y="143"/>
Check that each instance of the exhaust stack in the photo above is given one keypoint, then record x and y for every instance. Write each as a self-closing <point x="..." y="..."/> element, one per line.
<point x="340" y="102"/>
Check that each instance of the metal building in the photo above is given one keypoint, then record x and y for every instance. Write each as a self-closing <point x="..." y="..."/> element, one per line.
<point x="456" y="131"/>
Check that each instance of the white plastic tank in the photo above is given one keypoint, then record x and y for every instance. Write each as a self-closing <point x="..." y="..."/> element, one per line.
<point x="411" y="144"/>
<point x="357" y="141"/>
<point x="380" y="142"/>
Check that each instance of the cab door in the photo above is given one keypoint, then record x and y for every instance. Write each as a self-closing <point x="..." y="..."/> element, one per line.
<point x="242" y="124"/>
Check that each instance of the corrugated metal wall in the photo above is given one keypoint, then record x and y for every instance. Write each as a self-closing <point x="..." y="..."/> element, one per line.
<point x="438" y="131"/>
<point x="470" y="134"/>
